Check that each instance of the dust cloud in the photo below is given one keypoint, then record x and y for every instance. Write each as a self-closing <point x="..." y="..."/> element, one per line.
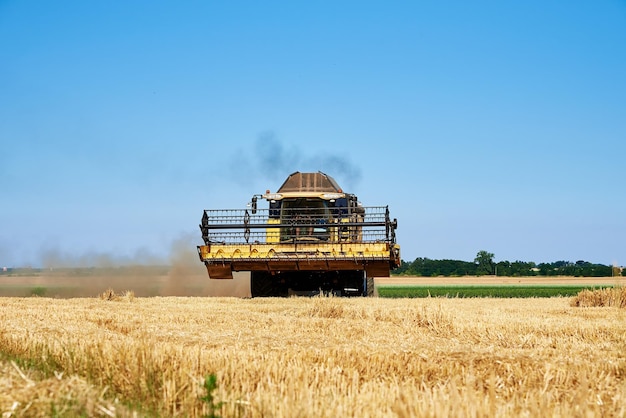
<point x="188" y="275"/>
<point x="180" y="273"/>
<point x="54" y="258"/>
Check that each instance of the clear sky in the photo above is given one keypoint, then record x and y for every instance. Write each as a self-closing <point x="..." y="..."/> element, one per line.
<point x="489" y="125"/>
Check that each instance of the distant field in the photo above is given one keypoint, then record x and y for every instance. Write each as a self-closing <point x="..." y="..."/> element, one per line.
<point x="482" y="291"/>
<point x="495" y="287"/>
<point x="499" y="280"/>
<point x="192" y="280"/>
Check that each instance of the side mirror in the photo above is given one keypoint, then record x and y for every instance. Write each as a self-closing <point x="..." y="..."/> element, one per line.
<point x="254" y="204"/>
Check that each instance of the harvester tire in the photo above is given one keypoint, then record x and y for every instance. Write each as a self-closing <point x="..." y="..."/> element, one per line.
<point x="263" y="284"/>
<point x="369" y="287"/>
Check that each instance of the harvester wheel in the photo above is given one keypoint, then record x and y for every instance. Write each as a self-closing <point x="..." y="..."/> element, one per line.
<point x="369" y="287"/>
<point x="263" y="284"/>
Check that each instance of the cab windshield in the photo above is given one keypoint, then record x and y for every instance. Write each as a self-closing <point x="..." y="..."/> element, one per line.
<point x="307" y="219"/>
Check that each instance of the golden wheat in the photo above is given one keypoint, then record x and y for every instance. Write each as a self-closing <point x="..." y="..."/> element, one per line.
<point x="31" y="393"/>
<point x="614" y="296"/>
<point x="322" y="357"/>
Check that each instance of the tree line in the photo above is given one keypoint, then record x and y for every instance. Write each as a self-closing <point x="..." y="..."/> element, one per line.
<point x="484" y="265"/>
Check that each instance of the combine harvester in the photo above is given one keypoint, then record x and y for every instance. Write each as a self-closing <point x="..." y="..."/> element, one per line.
<point x="312" y="238"/>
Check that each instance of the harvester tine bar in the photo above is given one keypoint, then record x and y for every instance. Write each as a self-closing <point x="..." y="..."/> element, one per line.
<point x="285" y="225"/>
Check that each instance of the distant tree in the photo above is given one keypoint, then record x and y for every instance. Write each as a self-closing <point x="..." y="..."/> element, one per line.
<point x="545" y="269"/>
<point x="521" y="268"/>
<point x="455" y="268"/>
<point x="425" y="267"/>
<point x="503" y="268"/>
<point x="596" y="270"/>
<point x="484" y="263"/>
<point x="403" y="269"/>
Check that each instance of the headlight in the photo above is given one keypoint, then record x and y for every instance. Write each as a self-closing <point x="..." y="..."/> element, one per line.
<point x="331" y="196"/>
<point x="272" y="196"/>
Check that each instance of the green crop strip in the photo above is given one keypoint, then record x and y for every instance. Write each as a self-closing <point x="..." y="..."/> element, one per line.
<point x="480" y="291"/>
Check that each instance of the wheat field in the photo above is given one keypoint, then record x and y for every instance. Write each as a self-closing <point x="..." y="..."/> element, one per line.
<point x="311" y="357"/>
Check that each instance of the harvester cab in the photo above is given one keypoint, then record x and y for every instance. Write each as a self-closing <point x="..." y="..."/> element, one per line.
<point x="312" y="237"/>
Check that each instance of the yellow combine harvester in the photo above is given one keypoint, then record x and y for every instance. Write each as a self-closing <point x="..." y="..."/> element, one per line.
<point x="312" y="238"/>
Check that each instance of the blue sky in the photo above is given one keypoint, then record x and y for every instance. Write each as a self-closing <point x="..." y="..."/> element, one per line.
<point x="489" y="125"/>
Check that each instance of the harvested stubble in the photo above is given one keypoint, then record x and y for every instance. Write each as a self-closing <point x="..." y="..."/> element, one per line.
<point x="329" y="357"/>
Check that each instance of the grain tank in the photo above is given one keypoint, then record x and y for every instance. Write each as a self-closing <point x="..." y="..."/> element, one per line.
<point x="311" y="237"/>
